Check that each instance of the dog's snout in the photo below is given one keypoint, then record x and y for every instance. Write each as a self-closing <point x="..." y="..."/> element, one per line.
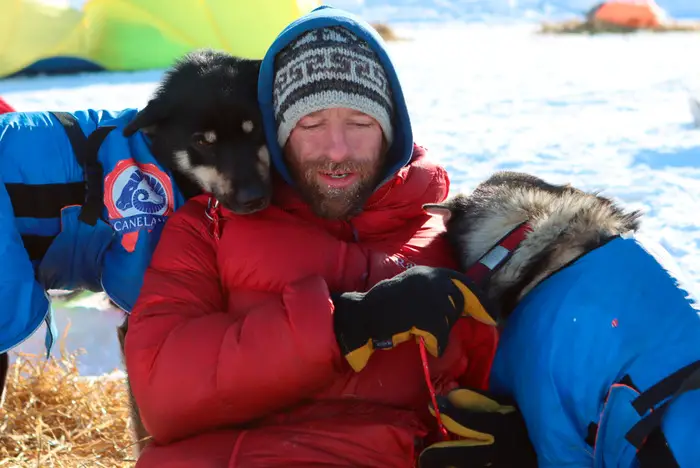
<point x="251" y="198"/>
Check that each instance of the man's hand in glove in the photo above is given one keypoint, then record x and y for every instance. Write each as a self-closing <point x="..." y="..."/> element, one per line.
<point x="419" y="302"/>
<point x="494" y="433"/>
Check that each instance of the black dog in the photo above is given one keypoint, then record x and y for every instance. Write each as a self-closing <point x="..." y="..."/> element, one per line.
<point x="204" y="124"/>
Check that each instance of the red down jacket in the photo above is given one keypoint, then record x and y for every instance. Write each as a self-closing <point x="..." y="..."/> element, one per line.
<point x="231" y="352"/>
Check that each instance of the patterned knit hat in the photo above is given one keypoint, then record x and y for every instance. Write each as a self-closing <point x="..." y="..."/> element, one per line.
<point x="325" y="68"/>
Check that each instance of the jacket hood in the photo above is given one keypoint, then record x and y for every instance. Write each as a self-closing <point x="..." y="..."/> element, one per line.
<point x="399" y="154"/>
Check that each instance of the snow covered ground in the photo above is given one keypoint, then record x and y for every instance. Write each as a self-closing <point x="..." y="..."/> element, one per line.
<point x="497" y="11"/>
<point x="606" y="112"/>
<point x="473" y="10"/>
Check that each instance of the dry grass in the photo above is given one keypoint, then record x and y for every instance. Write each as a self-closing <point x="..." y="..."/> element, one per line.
<point x="53" y="417"/>
<point x="598" y="27"/>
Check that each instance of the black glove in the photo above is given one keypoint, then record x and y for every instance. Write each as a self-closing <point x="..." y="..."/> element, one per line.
<point x="494" y="433"/>
<point x="419" y="302"/>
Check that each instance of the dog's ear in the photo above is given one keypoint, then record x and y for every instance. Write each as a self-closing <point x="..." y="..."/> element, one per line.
<point x="439" y="209"/>
<point x="147" y="118"/>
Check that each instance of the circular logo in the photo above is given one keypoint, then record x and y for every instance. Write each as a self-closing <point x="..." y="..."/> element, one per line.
<point x="135" y="192"/>
<point x="137" y="196"/>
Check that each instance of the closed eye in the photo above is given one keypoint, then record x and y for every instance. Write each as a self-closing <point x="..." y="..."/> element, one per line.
<point x="310" y="126"/>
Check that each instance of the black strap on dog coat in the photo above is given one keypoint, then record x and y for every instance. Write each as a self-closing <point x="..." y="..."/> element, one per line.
<point x="85" y="150"/>
<point x="45" y="201"/>
<point x="646" y="436"/>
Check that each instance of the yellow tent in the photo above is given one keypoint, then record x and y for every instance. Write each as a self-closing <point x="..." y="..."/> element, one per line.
<point x="40" y="36"/>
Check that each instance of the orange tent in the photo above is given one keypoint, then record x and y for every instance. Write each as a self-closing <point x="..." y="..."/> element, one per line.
<point x="634" y="14"/>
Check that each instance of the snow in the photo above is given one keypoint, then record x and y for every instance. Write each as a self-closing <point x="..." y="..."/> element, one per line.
<point x="608" y="112"/>
<point x="491" y="10"/>
<point x="477" y="10"/>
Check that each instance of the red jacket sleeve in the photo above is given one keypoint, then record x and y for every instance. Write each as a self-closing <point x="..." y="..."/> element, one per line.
<point x="193" y="366"/>
<point x="481" y="341"/>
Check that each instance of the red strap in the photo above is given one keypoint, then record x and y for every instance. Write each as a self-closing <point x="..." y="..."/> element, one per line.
<point x="478" y="272"/>
<point x="213" y="214"/>
<point x="492" y="260"/>
<point x="431" y="389"/>
<point x="513" y="240"/>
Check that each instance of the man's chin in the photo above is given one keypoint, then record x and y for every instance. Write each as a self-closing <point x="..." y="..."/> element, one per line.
<point x="336" y="203"/>
<point x="336" y="210"/>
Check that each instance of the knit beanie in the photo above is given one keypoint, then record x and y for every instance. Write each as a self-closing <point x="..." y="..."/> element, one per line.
<point x="325" y="68"/>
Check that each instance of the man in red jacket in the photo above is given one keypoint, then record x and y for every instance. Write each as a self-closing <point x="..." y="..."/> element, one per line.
<point x="288" y="337"/>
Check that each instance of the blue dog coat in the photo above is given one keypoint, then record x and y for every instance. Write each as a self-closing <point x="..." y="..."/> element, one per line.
<point x="583" y="345"/>
<point x="49" y="238"/>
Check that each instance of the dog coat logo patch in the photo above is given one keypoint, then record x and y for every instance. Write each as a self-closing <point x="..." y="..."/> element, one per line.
<point x="137" y="197"/>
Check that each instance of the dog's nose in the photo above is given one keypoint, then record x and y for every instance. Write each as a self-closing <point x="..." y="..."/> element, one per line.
<point x="251" y="198"/>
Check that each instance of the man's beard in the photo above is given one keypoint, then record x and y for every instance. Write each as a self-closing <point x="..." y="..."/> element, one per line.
<point x="337" y="203"/>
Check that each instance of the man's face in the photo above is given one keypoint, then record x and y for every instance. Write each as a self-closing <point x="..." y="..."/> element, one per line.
<point x="336" y="157"/>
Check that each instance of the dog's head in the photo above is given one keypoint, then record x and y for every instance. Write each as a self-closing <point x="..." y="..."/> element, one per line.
<point x="205" y="125"/>
<point x="566" y="223"/>
<point x="475" y="222"/>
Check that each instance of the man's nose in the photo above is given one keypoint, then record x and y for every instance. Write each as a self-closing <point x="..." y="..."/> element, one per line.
<point x="338" y="149"/>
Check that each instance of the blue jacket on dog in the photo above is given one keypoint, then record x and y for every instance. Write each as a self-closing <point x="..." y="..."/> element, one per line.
<point x="584" y="344"/>
<point x="105" y="234"/>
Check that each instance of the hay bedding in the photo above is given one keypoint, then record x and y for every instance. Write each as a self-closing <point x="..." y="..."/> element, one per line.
<point x="53" y="417"/>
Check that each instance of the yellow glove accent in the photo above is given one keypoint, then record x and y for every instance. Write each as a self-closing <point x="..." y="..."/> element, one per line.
<point x="475" y="437"/>
<point x="472" y="305"/>
<point x="464" y="398"/>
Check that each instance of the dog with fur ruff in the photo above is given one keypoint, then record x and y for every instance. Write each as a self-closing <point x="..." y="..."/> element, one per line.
<point x="600" y="337"/>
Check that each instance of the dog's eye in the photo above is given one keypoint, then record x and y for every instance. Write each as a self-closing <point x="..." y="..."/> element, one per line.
<point x="204" y="138"/>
